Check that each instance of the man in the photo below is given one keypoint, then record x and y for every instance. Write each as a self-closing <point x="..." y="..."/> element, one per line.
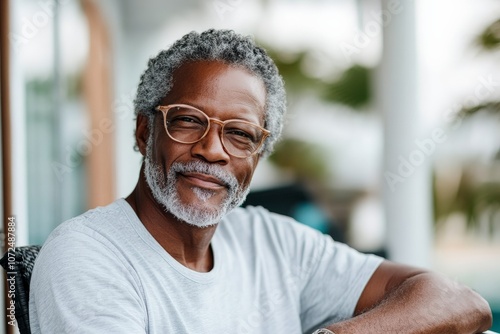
<point x="178" y="256"/>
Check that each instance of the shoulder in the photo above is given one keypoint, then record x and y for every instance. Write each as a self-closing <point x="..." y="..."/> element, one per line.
<point x="96" y="224"/>
<point x="84" y="267"/>
<point x="93" y="237"/>
<point x="258" y="226"/>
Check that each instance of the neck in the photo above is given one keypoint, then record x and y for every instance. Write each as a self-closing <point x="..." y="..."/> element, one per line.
<point x="188" y="244"/>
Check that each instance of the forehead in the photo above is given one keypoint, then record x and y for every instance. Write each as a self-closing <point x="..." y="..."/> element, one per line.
<point x="212" y="84"/>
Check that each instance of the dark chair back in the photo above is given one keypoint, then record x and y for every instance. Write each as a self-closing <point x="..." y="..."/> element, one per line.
<point x="19" y="266"/>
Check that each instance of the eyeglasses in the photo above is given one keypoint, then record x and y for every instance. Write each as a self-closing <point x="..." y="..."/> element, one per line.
<point x="187" y="125"/>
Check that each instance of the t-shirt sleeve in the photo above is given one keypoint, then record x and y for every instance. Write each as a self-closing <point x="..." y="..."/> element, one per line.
<point x="85" y="288"/>
<point x="334" y="276"/>
<point x="331" y="276"/>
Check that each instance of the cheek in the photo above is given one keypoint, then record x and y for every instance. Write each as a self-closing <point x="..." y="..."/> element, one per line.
<point x="164" y="151"/>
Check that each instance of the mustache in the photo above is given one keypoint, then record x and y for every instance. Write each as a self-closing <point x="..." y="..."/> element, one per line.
<point x="228" y="179"/>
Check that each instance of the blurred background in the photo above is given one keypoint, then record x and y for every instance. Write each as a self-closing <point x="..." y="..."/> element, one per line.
<point x="392" y="138"/>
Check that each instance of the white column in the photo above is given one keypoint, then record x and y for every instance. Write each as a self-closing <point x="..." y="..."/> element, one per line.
<point x="18" y="140"/>
<point x="406" y="179"/>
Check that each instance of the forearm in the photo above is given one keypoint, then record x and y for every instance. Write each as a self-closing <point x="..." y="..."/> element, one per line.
<point x="425" y="303"/>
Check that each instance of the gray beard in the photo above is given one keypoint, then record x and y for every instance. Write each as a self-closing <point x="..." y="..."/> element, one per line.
<point x="165" y="193"/>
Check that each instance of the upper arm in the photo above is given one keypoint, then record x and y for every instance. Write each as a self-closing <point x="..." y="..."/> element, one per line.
<point x="386" y="278"/>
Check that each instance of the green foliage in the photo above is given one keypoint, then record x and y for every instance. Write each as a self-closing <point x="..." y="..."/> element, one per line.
<point x="474" y="195"/>
<point x="305" y="160"/>
<point x="474" y="198"/>
<point x="297" y="81"/>
<point x="352" y="89"/>
<point x="489" y="39"/>
<point x="486" y="196"/>
<point x="492" y="107"/>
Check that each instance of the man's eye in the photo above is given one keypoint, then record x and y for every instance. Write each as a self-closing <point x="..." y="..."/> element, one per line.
<point x="188" y="119"/>
<point x="239" y="133"/>
<point x="185" y="119"/>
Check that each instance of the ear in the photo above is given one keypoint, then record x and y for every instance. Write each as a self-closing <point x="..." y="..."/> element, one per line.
<point x="142" y="133"/>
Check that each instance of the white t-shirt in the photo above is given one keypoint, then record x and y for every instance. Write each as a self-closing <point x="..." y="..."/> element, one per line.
<point x="103" y="272"/>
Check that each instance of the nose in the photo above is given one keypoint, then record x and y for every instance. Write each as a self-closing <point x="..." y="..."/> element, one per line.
<point x="210" y="147"/>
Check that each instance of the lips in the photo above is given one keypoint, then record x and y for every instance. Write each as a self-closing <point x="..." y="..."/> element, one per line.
<point x="203" y="180"/>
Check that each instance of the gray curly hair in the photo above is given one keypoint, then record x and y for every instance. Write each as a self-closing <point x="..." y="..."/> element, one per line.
<point x="219" y="45"/>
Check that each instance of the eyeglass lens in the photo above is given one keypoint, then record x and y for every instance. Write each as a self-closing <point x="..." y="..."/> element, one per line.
<point x="189" y="125"/>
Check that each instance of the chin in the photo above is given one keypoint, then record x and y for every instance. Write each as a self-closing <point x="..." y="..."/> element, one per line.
<point x="197" y="206"/>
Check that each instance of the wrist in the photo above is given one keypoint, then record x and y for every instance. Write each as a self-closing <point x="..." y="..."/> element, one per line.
<point x="323" y="331"/>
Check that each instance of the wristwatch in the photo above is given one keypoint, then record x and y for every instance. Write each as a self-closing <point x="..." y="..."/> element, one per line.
<point x="323" y="331"/>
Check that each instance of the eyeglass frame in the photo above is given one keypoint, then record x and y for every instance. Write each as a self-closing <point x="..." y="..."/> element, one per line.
<point x="165" y="109"/>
